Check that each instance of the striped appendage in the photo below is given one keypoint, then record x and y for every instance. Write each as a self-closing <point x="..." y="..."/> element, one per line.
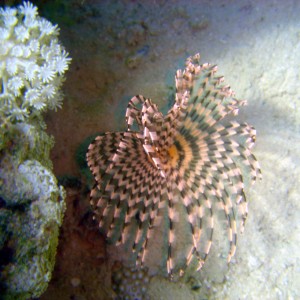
<point x="193" y="157"/>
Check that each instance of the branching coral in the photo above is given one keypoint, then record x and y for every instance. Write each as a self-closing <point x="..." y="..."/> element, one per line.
<point x="180" y="168"/>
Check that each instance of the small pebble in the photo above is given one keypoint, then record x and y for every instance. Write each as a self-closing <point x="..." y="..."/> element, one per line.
<point x="75" y="282"/>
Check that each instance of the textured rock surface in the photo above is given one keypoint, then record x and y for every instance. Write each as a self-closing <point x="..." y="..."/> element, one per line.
<point x="130" y="283"/>
<point x="32" y="208"/>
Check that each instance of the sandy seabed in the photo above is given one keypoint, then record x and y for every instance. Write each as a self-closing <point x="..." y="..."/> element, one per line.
<point x="123" y="48"/>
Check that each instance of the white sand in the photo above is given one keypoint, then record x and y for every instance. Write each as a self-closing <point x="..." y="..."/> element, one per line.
<point x="259" y="54"/>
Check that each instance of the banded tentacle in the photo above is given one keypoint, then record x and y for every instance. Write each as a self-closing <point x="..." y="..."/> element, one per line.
<point x="193" y="159"/>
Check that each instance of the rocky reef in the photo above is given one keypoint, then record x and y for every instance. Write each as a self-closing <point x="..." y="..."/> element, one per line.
<point x="31" y="202"/>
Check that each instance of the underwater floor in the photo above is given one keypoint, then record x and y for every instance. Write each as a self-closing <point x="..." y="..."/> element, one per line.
<point x="123" y="48"/>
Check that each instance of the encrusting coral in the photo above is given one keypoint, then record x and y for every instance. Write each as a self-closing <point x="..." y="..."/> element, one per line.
<point x="32" y="67"/>
<point x="174" y="172"/>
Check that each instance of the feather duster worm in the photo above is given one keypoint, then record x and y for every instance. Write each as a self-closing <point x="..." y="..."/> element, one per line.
<point x="190" y="158"/>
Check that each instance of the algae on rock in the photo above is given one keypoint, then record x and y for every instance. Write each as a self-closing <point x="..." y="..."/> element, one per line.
<point x="31" y="202"/>
<point x="31" y="212"/>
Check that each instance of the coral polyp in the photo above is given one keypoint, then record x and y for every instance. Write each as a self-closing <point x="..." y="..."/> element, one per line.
<point x="33" y="63"/>
<point x="178" y="168"/>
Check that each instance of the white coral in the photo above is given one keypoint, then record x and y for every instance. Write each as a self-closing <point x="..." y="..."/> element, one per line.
<point x="28" y="9"/>
<point x="22" y="33"/>
<point x="32" y="63"/>
<point x="15" y="84"/>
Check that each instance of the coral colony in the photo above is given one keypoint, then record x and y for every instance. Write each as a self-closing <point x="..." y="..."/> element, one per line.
<point x="32" y="67"/>
<point x="32" y="63"/>
<point x="191" y="160"/>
